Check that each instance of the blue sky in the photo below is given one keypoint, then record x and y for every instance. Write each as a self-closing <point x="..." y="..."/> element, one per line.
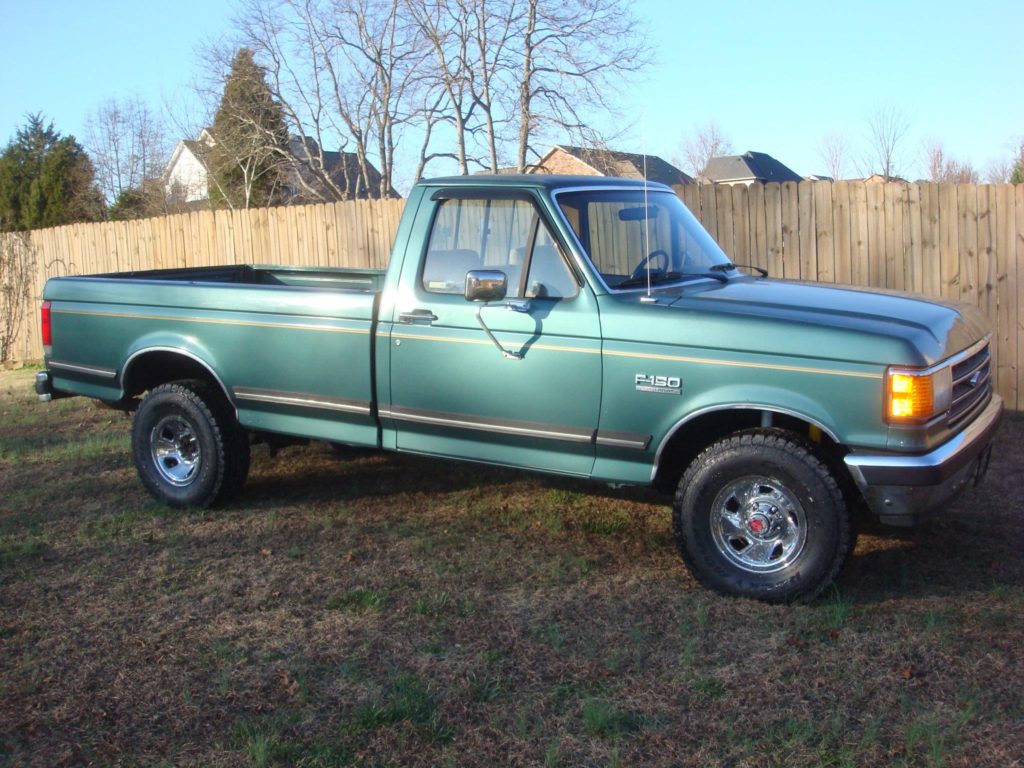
<point x="776" y="76"/>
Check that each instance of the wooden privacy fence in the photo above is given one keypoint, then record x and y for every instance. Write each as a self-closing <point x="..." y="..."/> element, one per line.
<point x="957" y="242"/>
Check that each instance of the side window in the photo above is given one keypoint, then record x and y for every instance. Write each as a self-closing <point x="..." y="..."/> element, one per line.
<point x="550" y="277"/>
<point x="494" y="234"/>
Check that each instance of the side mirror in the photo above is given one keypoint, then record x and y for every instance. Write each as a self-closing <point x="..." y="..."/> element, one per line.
<point x="486" y="285"/>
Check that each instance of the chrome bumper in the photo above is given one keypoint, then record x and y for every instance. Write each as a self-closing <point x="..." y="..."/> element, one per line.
<point x="44" y="386"/>
<point x="899" y="488"/>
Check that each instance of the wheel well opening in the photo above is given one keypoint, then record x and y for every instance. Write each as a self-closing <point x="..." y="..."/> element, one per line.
<point x="160" y="367"/>
<point x="696" y="435"/>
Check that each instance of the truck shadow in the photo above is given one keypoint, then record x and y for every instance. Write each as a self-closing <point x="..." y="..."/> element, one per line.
<point x="969" y="547"/>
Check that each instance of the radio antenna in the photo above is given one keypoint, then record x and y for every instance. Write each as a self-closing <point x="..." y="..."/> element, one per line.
<point x="647" y="216"/>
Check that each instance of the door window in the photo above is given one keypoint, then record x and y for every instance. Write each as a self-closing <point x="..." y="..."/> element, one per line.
<point x="505" y="235"/>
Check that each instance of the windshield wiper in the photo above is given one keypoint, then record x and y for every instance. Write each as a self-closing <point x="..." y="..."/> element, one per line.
<point x="655" y="277"/>
<point x="666" y="277"/>
<point x="729" y="267"/>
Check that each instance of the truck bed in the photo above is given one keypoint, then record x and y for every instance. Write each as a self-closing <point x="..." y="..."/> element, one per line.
<point x="327" y="278"/>
<point x="292" y="347"/>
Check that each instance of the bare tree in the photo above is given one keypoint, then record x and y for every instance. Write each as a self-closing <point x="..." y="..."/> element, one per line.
<point x="431" y="114"/>
<point x="490" y="77"/>
<point x="707" y="141"/>
<point x="128" y="145"/>
<point x="17" y="271"/>
<point x="448" y="32"/>
<point x="495" y="25"/>
<point x="999" y="171"/>
<point x="343" y="72"/>
<point x="574" y="57"/>
<point x="887" y="128"/>
<point x="833" y="152"/>
<point x="944" y="169"/>
<point x="1008" y="170"/>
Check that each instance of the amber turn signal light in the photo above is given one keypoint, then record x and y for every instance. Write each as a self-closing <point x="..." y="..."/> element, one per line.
<point x="916" y="396"/>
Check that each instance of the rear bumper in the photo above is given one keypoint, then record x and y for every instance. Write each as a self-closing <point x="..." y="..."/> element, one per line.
<point x="900" y="488"/>
<point x="44" y="388"/>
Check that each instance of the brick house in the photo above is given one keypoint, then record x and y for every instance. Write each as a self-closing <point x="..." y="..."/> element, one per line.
<point x="580" y="161"/>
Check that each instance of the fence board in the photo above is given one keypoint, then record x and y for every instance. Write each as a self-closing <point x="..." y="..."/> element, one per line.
<point x="806" y="232"/>
<point x="773" y="223"/>
<point x="1018" y="195"/>
<point x="841" y="227"/>
<point x="790" y="231"/>
<point x="708" y="208"/>
<point x="928" y="222"/>
<point x="824" y="235"/>
<point x="876" y="234"/>
<point x="986" y="245"/>
<point x="1006" y="295"/>
<point x="949" y="245"/>
<point x="723" y="211"/>
<point x="893" y="235"/>
<point x="756" y="226"/>
<point x="860" y="269"/>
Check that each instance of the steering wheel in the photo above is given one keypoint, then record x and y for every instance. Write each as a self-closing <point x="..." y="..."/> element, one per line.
<point x="645" y="263"/>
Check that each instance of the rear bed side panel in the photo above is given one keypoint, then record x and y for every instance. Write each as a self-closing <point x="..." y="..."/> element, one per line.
<point x="294" y="360"/>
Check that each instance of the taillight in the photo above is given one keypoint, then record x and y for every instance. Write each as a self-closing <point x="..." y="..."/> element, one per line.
<point x="44" y="323"/>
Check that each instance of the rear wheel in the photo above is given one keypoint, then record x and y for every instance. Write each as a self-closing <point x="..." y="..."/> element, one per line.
<point x="188" y="447"/>
<point x="758" y="515"/>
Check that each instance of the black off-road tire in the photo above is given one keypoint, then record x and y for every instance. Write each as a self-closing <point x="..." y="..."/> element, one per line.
<point x="724" y="506"/>
<point x="188" y="447"/>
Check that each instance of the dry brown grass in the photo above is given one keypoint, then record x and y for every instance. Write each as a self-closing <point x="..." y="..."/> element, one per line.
<point x="388" y="610"/>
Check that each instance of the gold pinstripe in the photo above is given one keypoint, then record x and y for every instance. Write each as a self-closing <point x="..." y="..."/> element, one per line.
<point x="454" y="340"/>
<point x="654" y="356"/>
<point x="214" y="321"/>
<point x="741" y="364"/>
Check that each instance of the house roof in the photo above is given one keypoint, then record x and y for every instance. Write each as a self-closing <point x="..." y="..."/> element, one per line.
<point x="626" y="165"/>
<point x="342" y="167"/>
<point x="750" y="166"/>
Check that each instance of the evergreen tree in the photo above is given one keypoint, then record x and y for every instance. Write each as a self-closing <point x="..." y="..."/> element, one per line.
<point x="46" y="180"/>
<point x="249" y="158"/>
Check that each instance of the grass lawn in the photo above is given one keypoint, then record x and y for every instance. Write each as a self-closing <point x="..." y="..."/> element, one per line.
<point x="388" y="610"/>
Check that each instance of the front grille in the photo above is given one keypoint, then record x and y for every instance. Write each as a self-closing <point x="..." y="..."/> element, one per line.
<point x="972" y="386"/>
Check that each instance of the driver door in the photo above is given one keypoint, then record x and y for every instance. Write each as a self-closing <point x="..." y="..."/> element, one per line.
<point x="453" y="391"/>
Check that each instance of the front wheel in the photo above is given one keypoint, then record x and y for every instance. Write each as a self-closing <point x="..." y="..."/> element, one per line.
<point x="758" y="515"/>
<point x="188" y="447"/>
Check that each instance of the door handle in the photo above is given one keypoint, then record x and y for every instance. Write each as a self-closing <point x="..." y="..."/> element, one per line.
<point x="423" y="316"/>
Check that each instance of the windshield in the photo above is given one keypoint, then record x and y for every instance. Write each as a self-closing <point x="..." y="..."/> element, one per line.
<point x="630" y="239"/>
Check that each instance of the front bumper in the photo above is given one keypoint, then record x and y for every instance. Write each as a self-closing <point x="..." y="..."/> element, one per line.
<point x="900" y="488"/>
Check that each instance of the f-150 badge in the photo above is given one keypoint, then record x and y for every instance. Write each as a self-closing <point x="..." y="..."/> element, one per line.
<point x="666" y="385"/>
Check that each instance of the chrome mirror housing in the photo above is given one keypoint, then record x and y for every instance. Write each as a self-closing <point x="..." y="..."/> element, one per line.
<point x="486" y="285"/>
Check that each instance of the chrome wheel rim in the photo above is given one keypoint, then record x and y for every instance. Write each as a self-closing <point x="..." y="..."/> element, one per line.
<point x="175" y="450"/>
<point x="758" y="524"/>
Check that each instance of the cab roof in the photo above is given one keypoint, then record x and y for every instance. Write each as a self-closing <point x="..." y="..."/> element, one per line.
<point x="539" y="181"/>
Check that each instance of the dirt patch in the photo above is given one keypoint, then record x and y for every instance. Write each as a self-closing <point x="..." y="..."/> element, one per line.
<point x="387" y="610"/>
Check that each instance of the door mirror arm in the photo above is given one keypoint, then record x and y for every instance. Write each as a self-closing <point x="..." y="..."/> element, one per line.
<point x="484" y="286"/>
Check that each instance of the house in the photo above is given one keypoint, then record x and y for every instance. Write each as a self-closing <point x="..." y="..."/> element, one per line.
<point x="878" y="178"/>
<point x="186" y="176"/>
<point x="579" y="161"/>
<point x="746" y="169"/>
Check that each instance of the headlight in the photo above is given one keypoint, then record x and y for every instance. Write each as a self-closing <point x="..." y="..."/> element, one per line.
<point x="916" y="396"/>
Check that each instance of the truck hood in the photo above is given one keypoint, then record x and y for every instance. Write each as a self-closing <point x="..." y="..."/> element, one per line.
<point x="825" y="321"/>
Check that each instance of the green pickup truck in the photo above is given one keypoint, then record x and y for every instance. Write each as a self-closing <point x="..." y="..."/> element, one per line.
<point x="573" y="325"/>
